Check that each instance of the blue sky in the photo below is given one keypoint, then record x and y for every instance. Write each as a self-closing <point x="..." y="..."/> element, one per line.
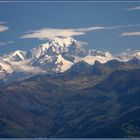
<point x="118" y="24"/>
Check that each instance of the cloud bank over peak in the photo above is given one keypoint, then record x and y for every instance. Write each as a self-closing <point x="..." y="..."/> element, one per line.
<point x="51" y="33"/>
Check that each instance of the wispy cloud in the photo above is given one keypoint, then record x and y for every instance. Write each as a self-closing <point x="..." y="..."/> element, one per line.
<point x="26" y="68"/>
<point x="3" y="27"/>
<point x="2" y="22"/>
<point x="5" y="43"/>
<point x="131" y="34"/>
<point x="51" y="33"/>
<point x="133" y="8"/>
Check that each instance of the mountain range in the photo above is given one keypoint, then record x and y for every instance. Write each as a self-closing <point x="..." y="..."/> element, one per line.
<point x="55" y="56"/>
<point x="60" y="90"/>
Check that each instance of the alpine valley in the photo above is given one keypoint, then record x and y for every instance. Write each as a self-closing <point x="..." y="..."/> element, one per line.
<point x="60" y="89"/>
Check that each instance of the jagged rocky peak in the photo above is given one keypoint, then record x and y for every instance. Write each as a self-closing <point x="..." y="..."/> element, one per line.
<point x="80" y="65"/>
<point x="93" y="52"/>
<point x="97" y="64"/>
<point x="63" y="42"/>
<point x="59" y="42"/>
<point x="134" y="60"/>
<point x="17" y="55"/>
<point x="128" y="55"/>
<point x="54" y="47"/>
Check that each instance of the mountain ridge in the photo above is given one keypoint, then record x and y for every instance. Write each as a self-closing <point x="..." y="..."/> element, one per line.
<point x="55" y="56"/>
<point x="53" y="107"/>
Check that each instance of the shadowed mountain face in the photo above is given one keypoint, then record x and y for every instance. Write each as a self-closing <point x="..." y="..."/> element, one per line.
<point x="85" y="101"/>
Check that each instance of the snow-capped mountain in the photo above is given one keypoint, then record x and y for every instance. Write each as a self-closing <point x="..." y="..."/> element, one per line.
<point x="55" y="56"/>
<point x="15" y="56"/>
<point x="126" y="56"/>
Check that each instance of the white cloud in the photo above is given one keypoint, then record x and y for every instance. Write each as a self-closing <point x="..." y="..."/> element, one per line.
<point x="5" y="43"/>
<point x="2" y="43"/>
<point x="26" y="68"/>
<point x="81" y="43"/>
<point x="51" y="33"/>
<point x="3" y="27"/>
<point x="134" y="8"/>
<point x="131" y="34"/>
<point x="2" y="22"/>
